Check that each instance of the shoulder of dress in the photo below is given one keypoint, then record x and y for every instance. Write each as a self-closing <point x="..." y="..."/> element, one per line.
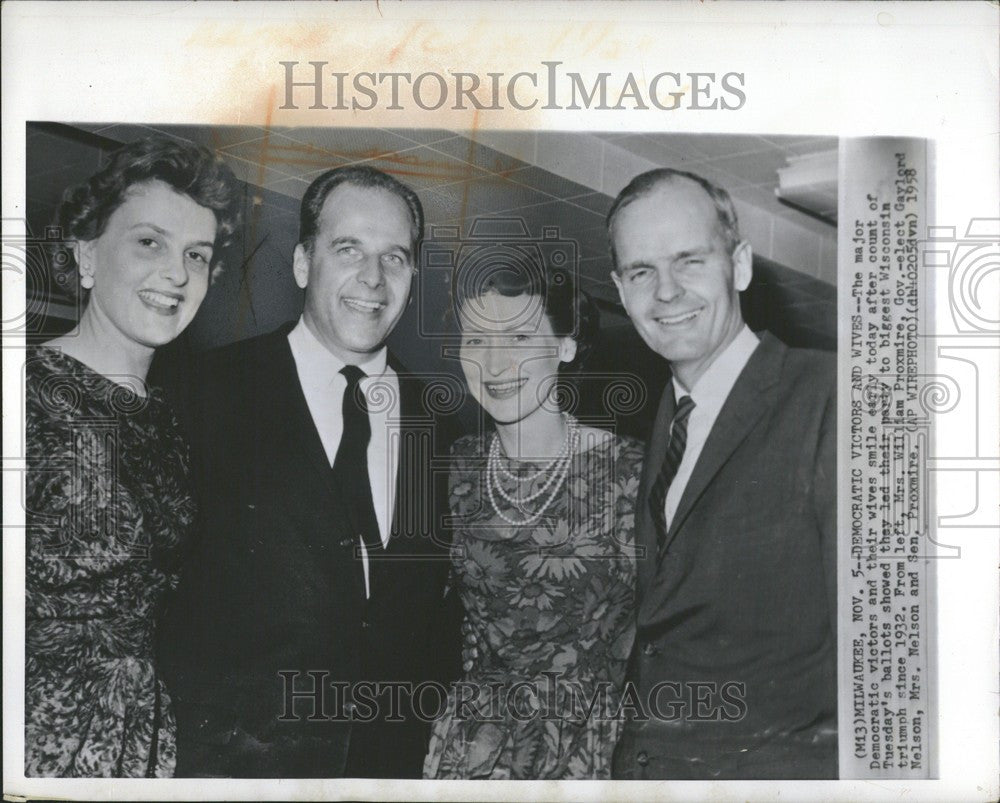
<point x="58" y="389"/>
<point x="41" y="361"/>
<point x="630" y="448"/>
<point x="629" y="456"/>
<point x="470" y="446"/>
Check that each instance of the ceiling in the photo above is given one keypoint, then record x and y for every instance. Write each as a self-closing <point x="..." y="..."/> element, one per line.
<point x="747" y="166"/>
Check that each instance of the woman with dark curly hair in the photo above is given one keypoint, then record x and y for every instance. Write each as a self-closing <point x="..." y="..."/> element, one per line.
<point x="107" y="494"/>
<point x="542" y="552"/>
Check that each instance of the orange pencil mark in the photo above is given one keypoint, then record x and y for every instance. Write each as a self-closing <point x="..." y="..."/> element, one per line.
<point x="407" y="38"/>
<point x="397" y="163"/>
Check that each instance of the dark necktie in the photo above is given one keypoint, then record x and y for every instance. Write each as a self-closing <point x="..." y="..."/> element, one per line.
<point x="350" y="466"/>
<point x="671" y="462"/>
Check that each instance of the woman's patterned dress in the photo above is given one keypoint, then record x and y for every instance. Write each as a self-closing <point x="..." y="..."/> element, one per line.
<point x="107" y="505"/>
<point x="552" y="606"/>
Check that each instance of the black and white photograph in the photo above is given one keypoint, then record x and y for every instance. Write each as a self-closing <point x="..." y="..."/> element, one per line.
<point x="365" y="454"/>
<point x="249" y="589"/>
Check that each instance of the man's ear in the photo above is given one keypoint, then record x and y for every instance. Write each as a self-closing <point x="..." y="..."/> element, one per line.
<point x="618" y="283"/>
<point x="742" y="266"/>
<point x="300" y="266"/>
<point x="567" y="349"/>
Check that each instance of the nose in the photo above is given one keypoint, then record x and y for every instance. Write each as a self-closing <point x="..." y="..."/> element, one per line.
<point x="667" y="287"/>
<point x="497" y="361"/>
<point x="175" y="269"/>
<point x="370" y="271"/>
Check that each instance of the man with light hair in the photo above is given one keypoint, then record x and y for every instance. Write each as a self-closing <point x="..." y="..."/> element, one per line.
<point x="736" y="644"/>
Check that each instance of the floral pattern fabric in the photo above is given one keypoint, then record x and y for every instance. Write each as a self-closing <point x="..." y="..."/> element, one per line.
<point x="107" y="505"/>
<point x="552" y="607"/>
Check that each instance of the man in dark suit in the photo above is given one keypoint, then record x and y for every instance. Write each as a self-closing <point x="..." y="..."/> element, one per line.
<point x="317" y="578"/>
<point x="735" y="659"/>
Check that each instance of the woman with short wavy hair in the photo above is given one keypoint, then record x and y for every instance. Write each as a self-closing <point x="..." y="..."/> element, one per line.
<point x="107" y="495"/>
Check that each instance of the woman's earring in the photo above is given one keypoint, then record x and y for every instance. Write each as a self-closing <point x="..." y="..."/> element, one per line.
<point x="86" y="279"/>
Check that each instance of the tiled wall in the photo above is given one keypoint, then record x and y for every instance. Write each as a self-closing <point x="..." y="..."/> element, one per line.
<point x="788" y="237"/>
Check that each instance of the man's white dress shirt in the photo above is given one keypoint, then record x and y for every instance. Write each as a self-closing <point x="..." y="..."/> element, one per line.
<point x="324" y="386"/>
<point x="709" y="394"/>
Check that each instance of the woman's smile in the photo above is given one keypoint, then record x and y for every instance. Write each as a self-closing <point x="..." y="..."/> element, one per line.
<point x="506" y="389"/>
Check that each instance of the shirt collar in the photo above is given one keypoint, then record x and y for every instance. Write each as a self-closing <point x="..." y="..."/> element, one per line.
<point x="712" y="388"/>
<point x="321" y="363"/>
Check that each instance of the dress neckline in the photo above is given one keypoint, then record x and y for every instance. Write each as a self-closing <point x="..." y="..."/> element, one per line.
<point x="607" y="442"/>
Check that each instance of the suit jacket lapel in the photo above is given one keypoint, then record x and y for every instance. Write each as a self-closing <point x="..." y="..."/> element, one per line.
<point x="287" y="417"/>
<point x="653" y="459"/>
<point x="287" y="403"/>
<point x="747" y="402"/>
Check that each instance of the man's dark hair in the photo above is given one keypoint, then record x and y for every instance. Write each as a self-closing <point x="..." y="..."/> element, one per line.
<point x="357" y="176"/>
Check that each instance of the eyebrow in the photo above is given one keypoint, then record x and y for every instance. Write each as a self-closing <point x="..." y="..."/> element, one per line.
<point x="165" y="233"/>
<point x="355" y="241"/>
<point x="692" y="252"/>
<point x="526" y="329"/>
<point x="514" y="330"/>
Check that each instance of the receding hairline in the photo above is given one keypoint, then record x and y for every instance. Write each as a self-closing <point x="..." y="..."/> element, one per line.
<point x="372" y="188"/>
<point x="349" y="184"/>
<point x="660" y="184"/>
<point x="363" y="177"/>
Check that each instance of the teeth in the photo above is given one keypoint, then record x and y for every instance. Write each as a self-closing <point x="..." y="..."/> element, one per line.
<point x="362" y="305"/>
<point x="673" y="320"/>
<point x="503" y="387"/>
<point x="160" y="299"/>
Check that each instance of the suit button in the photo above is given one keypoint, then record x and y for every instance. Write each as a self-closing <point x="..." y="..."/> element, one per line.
<point x="650" y="649"/>
<point x="642" y="758"/>
<point x="365" y="624"/>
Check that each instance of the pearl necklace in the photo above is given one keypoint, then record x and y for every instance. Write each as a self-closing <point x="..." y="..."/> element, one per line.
<point x="559" y="467"/>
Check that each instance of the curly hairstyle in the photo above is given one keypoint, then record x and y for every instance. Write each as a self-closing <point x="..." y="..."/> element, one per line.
<point x="569" y="310"/>
<point x="190" y="169"/>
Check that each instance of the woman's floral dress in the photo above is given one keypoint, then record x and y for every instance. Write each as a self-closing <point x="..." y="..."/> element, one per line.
<point x="107" y="504"/>
<point x="552" y="607"/>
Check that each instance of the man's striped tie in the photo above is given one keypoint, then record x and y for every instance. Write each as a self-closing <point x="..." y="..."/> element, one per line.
<point x="671" y="462"/>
